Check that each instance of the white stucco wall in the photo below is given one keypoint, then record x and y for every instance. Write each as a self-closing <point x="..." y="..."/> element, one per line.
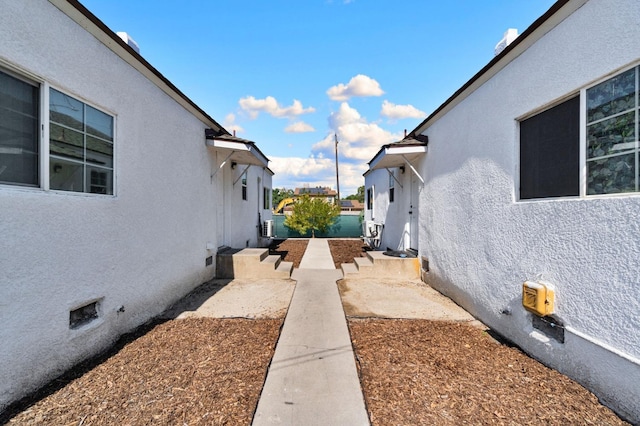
<point x="141" y="249"/>
<point x="482" y="243"/>
<point x="393" y="215"/>
<point x="241" y="217"/>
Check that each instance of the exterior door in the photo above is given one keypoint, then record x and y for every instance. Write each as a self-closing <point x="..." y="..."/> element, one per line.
<point x="414" y="212"/>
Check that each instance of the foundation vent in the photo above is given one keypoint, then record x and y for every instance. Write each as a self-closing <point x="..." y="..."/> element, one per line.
<point x="83" y="315"/>
<point x="538" y="297"/>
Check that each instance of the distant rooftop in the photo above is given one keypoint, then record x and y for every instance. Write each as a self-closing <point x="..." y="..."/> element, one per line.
<point x="316" y="192"/>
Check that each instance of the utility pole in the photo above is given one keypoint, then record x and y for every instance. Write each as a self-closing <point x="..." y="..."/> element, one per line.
<point x="337" y="176"/>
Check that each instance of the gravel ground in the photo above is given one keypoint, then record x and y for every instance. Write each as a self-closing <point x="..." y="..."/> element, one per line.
<point x="205" y="371"/>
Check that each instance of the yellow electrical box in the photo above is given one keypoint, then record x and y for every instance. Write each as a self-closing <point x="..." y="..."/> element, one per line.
<point x="537" y="297"/>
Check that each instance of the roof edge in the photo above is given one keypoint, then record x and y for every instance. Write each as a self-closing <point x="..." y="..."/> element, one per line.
<point x="92" y="24"/>
<point x="511" y="52"/>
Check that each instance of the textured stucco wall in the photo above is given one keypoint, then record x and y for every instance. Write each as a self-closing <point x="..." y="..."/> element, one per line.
<point x="482" y="243"/>
<point x="141" y="249"/>
<point x="395" y="232"/>
<point x="242" y="216"/>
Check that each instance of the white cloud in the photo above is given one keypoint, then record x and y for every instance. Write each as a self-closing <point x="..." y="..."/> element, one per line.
<point x="360" y="86"/>
<point x="296" y="172"/>
<point x="229" y="123"/>
<point x="271" y="106"/>
<point x="397" y="112"/>
<point x="358" y="140"/>
<point x="299" y="127"/>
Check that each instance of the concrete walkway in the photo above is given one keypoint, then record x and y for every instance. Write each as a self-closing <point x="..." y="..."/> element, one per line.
<point x="313" y="379"/>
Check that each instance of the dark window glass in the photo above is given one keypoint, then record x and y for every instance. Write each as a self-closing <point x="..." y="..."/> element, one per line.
<point x="244" y="186"/>
<point x="550" y="152"/>
<point x="19" y="127"/>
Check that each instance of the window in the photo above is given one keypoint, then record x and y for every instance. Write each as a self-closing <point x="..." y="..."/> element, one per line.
<point x="550" y="152"/>
<point x="81" y="146"/>
<point x="19" y="131"/>
<point x="244" y="186"/>
<point x="80" y="139"/>
<point x="370" y="198"/>
<point x="612" y="135"/>
<point x="266" y="198"/>
<point x="392" y="182"/>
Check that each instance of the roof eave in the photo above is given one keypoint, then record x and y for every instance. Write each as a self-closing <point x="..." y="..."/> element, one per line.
<point x="232" y="143"/>
<point x="560" y="10"/>
<point x="87" y="20"/>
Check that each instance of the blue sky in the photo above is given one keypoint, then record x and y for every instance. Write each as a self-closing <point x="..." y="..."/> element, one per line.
<point x="289" y="75"/>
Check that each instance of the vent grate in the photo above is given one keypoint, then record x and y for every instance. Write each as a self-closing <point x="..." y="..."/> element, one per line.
<point x="83" y="315"/>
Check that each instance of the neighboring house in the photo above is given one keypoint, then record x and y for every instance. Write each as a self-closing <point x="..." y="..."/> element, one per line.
<point x="115" y="191"/>
<point x="531" y="172"/>
<point x="327" y="193"/>
<point x="351" y="206"/>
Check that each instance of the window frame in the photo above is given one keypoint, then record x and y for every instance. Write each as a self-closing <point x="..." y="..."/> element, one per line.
<point x="570" y="103"/>
<point x="40" y="111"/>
<point x="581" y="93"/>
<point x="243" y="185"/>
<point x="266" y="198"/>
<point x="43" y="134"/>
<point x="85" y="164"/>
<point x="584" y="169"/>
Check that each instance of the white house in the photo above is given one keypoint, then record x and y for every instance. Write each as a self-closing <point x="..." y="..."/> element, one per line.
<point x="116" y="191"/>
<point x="530" y="172"/>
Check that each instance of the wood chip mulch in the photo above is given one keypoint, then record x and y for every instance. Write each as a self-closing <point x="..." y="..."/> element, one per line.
<point x="289" y="250"/>
<point x="205" y="371"/>
<point x="426" y="372"/>
<point x="199" y="371"/>
<point x="344" y="251"/>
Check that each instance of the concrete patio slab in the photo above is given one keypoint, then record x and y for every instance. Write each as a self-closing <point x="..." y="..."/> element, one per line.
<point x="238" y="298"/>
<point x="389" y="298"/>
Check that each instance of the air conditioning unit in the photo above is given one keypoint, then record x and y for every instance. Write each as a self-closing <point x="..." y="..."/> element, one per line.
<point x="537" y="297"/>
<point x="267" y="229"/>
<point x="371" y="229"/>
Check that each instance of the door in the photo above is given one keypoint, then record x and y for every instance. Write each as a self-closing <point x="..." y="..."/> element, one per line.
<point x="414" y="212"/>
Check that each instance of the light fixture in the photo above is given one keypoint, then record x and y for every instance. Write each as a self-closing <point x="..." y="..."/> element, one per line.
<point x="401" y="169"/>
<point x="233" y="164"/>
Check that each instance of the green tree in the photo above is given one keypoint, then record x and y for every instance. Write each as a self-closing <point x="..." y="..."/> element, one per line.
<point x="358" y="196"/>
<point x="313" y="214"/>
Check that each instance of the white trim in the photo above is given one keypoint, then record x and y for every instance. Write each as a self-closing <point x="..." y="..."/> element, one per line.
<point x="84" y="163"/>
<point x="413" y="169"/>
<point x="582" y="167"/>
<point x="583" y="131"/>
<point x="44" y="141"/>
<point x="603" y="345"/>
<point x="240" y="147"/>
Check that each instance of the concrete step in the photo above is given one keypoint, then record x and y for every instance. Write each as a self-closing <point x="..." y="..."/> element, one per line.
<point x="285" y="269"/>
<point x="250" y="263"/>
<point x="349" y="269"/>
<point x="378" y="265"/>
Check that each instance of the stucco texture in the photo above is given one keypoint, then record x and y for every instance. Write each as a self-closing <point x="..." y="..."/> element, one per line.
<point x="482" y="243"/>
<point x="135" y="252"/>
